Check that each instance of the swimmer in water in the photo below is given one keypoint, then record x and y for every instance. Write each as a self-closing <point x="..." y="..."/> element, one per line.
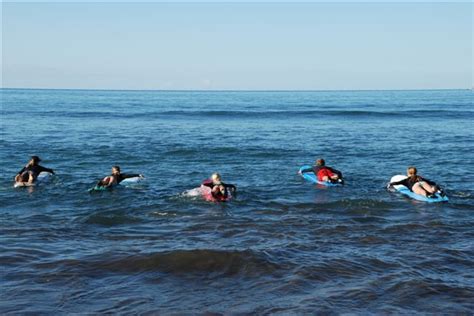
<point x="219" y="190"/>
<point x="418" y="184"/>
<point x="116" y="177"/>
<point x="30" y="172"/>
<point x="325" y="173"/>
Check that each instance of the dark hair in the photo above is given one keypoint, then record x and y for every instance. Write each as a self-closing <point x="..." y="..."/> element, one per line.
<point x="320" y="162"/>
<point x="116" y="167"/>
<point x="35" y="158"/>
<point x="414" y="171"/>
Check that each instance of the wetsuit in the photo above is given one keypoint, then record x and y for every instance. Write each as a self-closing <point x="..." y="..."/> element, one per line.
<point x="34" y="170"/>
<point x="411" y="181"/>
<point x="325" y="172"/>
<point x="218" y="195"/>
<point x="321" y="171"/>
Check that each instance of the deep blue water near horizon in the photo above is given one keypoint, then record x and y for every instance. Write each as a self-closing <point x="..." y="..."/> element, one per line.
<point x="283" y="246"/>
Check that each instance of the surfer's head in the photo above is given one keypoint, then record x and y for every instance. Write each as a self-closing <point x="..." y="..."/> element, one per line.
<point x="115" y="170"/>
<point x="411" y="172"/>
<point x="34" y="160"/>
<point x="320" y="162"/>
<point x="216" y="178"/>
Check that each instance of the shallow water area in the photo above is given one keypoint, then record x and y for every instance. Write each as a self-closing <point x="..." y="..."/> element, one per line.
<point x="282" y="246"/>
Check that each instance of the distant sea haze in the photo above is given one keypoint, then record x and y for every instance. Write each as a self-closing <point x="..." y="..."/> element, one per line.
<point x="282" y="246"/>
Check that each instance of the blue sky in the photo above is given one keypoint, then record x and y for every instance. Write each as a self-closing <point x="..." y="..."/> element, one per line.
<point x="304" y="46"/>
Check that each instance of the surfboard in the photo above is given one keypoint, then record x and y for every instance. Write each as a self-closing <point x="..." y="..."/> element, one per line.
<point x="131" y="181"/>
<point x="311" y="177"/>
<point x="43" y="178"/>
<point x="405" y="191"/>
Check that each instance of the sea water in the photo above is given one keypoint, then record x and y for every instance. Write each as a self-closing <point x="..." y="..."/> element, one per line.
<point x="283" y="246"/>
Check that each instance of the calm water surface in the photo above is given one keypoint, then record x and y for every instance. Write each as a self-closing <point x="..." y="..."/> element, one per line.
<point x="283" y="246"/>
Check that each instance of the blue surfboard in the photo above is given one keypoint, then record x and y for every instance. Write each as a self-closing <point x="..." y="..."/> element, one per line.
<point x="311" y="177"/>
<point x="405" y="191"/>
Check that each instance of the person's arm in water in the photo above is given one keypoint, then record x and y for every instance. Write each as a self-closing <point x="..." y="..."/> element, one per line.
<point x="44" y="169"/>
<point x="401" y="182"/>
<point x="131" y="175"/>
<point x="208" y="183"/>
<point x="306" y="170"/>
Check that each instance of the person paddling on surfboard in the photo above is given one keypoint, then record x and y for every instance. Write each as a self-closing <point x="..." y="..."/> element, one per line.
<point x="325" y="173"/>
<point x="418" y="184"/>
<point x="30" y="172"/>
<point x="116" y="177"/>
<point x="219" y="190"/>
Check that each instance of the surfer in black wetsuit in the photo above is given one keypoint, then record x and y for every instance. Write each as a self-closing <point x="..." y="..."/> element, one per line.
<point x="219" y="190"/>
<point x="30" y="172"/>
<point x="418" y="184"/>
<point x="116" y="177"/>
<point x="324" y="173"/>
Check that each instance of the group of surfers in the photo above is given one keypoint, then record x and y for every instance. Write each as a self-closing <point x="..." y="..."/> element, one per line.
<point x="413" y="181"/>
<point x="28" y="175"/>
<point x="220" y="190"/>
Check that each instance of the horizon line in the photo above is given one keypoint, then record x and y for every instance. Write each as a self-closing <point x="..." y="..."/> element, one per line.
<point x="236" y="90"/>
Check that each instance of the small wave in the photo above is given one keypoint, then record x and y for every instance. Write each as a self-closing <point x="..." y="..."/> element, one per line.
<point x="311" y="113"/>
<point x="342" y="268"/>
<point x="178" y="262"/>
<point x="356" y="206"/>
<point x="111" y="220"/>
<point x="206" y="261"/>
<point x="275" y="114"/>
<point x="410" y="290"/>
<point x="14" y="256"/>
<point x="163" y="214"/>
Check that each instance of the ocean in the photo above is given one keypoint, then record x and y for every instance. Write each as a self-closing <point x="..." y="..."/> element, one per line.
<point x="282" y="246"/>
